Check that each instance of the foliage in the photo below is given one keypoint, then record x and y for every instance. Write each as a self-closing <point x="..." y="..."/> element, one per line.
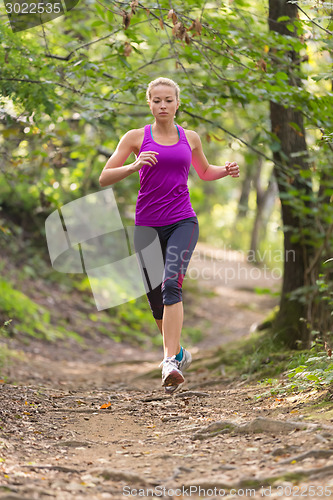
<point x="251" y="358"/>
<point x="317" y="371"/>
<point x="310" y="369"/>
<point x="278" y="370"/>
<point x="219" y="62"/>
<point x="68" y="94"/>
<point x="7" y="357"/>
<point x="3" y="328"/>
<point x="25" y="317"/>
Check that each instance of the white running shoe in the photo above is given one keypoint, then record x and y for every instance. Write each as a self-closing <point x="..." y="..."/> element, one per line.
<point x="171" y="374"/>
<point x="186" y="361"/>
<point x="182" y="366"/>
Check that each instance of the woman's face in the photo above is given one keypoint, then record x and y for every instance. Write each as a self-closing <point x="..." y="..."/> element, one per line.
<point x="163" y="102"/>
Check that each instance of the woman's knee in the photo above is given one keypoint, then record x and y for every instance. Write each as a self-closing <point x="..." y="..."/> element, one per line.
<point x="155" y="300"/>
<point x="172" y="290"/>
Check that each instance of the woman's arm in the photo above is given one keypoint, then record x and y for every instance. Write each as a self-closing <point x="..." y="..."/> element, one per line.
<point x="206" y="171"/>
<point x="115" y="170"/>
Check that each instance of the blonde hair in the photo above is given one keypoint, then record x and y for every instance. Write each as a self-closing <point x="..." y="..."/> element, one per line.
<point x="163" y="81"/>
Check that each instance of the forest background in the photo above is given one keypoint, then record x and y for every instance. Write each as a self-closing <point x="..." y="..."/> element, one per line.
<point x="256" y="84"/>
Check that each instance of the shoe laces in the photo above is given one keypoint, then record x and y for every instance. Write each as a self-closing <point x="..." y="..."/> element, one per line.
<point x="170" y="360"/>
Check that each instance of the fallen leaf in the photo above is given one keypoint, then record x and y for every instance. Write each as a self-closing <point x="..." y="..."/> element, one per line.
<point x="105" y="405"/>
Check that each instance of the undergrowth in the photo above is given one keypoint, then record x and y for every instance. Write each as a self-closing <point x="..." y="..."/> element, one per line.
<point x="311" y="369"/>
<point x="131" y="322"/>
<point x="252" y="357"/>
<point x="258" y="358"/>
<point x="23" y="316"/>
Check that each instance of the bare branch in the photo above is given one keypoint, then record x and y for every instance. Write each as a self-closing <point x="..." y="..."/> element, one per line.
<point x="154" y="61"/>
<point x="235" y="137"/>
<point x="71" y="89"/>
<point x="313" y="22"/>
<point x="173" y="47"/>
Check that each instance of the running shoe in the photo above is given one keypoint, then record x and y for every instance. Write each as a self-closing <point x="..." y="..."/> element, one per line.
<point x="171" y="389"/>
<point x="182" y="366"/>
<point x="186" y="360"/>
<point x="171" y="374"/>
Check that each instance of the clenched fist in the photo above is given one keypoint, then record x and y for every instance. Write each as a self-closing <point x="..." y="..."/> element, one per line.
<point x="232" y="168"/>
<point x="145" y="158"/>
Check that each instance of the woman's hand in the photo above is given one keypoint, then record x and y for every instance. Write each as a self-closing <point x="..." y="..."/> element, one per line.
<point x="145" y="158"/>
<point x="232" y="168"/>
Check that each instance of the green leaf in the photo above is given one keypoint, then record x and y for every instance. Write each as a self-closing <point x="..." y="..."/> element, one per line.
<point x="109" y="17"/>
<point x="283" y="18"/>
<point x="280" y="75"/>
<point x="275" y="146"/>
<point x="100" y="11"/>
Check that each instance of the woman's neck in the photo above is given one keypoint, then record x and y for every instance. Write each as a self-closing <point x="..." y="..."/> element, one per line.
<point x="164" y="129"/>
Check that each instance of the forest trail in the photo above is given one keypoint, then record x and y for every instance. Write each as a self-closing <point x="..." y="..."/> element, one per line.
<point x="212" y="439"/>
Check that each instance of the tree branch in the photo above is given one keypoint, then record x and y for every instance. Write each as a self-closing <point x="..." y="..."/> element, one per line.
<point x="313" y="22"/>
<point x="236" y="137"/>
<point x="154" y="61"/>
<point x="72" y="89"/>
<point x="172" y="44"/>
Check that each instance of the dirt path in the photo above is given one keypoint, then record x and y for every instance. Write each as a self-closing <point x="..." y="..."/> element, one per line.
<point x="213" y="439"/>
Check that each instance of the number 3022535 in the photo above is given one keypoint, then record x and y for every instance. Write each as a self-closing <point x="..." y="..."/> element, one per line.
<point x="33" y="8"/>
<point x="303" y="491"/>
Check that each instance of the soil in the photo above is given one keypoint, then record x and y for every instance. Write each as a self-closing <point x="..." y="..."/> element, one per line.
<point x="91" y="423"/>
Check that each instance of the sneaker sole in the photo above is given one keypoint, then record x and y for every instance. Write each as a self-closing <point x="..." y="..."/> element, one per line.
<point x="171" y="389"/>
<point x="174" y="378"/>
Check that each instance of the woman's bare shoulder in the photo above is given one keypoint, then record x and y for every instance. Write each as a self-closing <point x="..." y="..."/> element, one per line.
<point x="192" y="138"/>
<point x="135" y="137"/>
<point x="191" y="133"/>
<point x="135" y="133"/>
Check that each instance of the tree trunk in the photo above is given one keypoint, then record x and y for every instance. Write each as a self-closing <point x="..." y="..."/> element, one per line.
<point x="265" y="204"/>
<point x="290" y="326"/>
<point x="243" y="204"/>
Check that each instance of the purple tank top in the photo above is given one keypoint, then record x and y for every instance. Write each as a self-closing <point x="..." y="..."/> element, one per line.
<point x="164" y="197"/>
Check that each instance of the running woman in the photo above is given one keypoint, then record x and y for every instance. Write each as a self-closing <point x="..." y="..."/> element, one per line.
<point x="164" y="152"/>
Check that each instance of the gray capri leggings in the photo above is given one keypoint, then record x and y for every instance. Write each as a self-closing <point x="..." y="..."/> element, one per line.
<point x="177" y="241"/>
